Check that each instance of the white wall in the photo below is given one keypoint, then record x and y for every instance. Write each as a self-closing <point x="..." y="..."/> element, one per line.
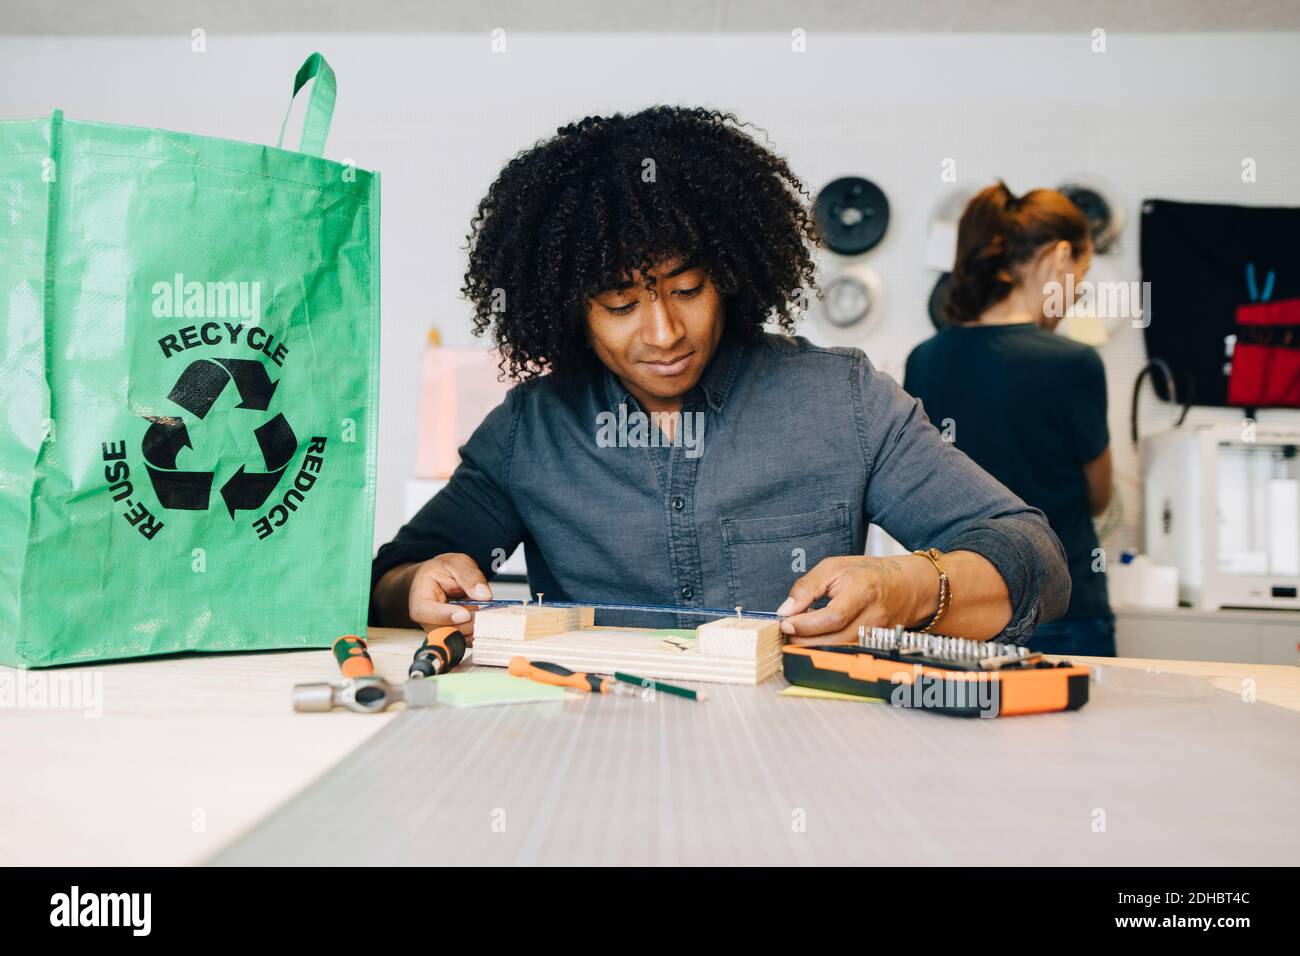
<point x="1157" y="115"/>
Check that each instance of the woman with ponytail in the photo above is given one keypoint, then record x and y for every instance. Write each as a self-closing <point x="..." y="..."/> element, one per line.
<point x="1027" y="405"/>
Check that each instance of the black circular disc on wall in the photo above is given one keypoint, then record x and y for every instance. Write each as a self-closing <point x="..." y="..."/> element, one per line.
<point x="938" y="297"/>
<point x="853" y="214"/>
<point x="1096" y="209"/>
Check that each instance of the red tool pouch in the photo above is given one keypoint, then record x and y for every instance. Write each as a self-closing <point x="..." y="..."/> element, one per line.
<point x="1266" y="358"/>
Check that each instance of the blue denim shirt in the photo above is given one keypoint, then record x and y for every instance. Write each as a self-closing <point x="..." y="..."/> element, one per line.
<point x="801" y="448"/>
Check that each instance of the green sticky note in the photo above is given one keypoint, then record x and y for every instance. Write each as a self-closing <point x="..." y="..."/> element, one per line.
<point x="485" y="690"/>
<point x="682" y="632"/>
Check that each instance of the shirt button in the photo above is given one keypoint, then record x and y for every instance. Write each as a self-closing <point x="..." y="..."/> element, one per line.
<point x="687" y="592"/>
<point x="678" y="502"/>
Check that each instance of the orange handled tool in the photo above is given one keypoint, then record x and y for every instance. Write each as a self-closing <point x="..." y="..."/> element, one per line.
<point x="545" y="672"/>
<point x="443" y="649"/>
<point x="354" y="660"/>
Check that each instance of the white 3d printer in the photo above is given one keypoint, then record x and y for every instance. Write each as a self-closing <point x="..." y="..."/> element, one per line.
<point x="1222" y="503"/>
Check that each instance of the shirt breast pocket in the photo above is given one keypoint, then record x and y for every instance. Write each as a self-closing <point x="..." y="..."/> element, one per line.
<point x="766" y="555"/>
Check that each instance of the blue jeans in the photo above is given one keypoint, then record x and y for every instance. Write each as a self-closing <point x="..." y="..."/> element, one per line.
<point x="1086" y="637"/>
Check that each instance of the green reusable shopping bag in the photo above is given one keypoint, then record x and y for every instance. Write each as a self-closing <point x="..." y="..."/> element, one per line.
<point x="189" y="389"/>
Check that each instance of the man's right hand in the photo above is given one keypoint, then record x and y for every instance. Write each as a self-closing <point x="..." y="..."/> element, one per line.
<point x="442" y="579"/>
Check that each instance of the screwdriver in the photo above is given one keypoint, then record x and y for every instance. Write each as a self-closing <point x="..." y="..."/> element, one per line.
<point x="352" y="656"/>
<point x="545" y="672"/>
<point x="443" y="649"/>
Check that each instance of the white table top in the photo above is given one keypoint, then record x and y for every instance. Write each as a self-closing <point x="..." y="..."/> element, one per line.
<point x="192" y="751"/>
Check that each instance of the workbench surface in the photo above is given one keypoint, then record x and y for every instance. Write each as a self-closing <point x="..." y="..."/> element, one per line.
<point x="200" y="758"/>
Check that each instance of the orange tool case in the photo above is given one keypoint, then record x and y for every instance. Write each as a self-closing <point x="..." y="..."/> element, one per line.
<point x="948" y="675"/>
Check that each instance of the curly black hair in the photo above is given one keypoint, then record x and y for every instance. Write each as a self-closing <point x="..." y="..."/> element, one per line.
<point x="580" y="212"/>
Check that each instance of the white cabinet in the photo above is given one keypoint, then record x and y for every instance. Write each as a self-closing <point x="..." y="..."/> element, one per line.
<point x="1250" y="637"/>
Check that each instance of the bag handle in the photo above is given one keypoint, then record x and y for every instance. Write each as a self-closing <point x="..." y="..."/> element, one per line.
<point x="320" y="106"/>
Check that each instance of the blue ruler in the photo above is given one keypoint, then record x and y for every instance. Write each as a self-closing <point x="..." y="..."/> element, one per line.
<point x="651" y="608"/>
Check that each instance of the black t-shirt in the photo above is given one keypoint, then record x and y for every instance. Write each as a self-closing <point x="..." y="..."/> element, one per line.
<point x="1029" y="407"/>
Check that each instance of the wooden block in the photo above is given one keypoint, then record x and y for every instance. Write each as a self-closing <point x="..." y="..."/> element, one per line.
<point x="526" y="622"/>
<point x="738" y="637"/>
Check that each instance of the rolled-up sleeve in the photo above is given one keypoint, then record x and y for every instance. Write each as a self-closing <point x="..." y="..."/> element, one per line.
<point x="473" y="514"/>
<point x="926" y="493"/>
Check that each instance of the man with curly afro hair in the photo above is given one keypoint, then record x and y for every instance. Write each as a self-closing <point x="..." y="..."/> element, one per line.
<point x="667" y="444"/>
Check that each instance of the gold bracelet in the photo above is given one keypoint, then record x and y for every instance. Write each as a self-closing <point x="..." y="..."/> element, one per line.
<point x="945" y="588"/>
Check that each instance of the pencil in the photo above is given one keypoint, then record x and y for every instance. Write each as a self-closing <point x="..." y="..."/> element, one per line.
<point x="660" y="685"/>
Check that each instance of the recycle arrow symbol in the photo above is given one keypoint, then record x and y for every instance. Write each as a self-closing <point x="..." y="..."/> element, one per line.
<point x="178" y="490"/>
<point x="196" y="390"/>
<point x="247" y="490"/>
<point x="203" y="381"/>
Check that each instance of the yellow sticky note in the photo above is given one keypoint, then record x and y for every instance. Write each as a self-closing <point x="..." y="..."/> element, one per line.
<point x="796" y="691"/>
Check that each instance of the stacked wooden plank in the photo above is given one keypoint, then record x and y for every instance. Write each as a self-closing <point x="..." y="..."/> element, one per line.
<point x="732" y="650"/>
